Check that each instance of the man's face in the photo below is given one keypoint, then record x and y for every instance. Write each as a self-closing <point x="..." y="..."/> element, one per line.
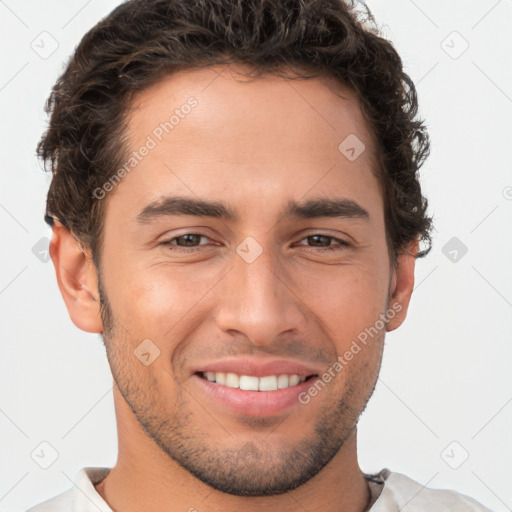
<point x="261" y="294"/>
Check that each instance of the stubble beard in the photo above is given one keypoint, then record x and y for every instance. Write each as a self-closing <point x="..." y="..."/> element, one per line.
<point x="243" y="469"/>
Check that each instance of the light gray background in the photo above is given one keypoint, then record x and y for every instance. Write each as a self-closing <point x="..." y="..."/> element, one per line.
<point x="446" y="372"/>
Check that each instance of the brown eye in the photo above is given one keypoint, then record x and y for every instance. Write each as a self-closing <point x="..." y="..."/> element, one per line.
<point x="188" y="240"/>
<point x="323" y="242"/>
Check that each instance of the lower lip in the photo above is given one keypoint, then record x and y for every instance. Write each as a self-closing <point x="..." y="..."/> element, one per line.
<point x="255" y="403"/>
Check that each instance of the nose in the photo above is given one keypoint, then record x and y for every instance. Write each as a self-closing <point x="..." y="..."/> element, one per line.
<point x="259" y="300"/>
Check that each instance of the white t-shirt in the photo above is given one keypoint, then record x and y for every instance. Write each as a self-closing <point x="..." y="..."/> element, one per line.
<point x="391" y="492"/>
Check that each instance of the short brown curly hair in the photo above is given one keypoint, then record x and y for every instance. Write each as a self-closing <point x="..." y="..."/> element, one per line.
<point x="141" y="41"/>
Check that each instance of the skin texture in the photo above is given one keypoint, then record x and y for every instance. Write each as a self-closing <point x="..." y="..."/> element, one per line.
<point x="254" y="145"/>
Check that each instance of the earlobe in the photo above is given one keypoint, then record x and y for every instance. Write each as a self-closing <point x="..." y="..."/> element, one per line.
<point x="402" y="285"/>
<point x="77" y="279"/>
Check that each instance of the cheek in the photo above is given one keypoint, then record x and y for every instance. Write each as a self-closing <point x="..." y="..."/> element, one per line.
<point x="347" y="300"/>
<point x="160" y="301"/>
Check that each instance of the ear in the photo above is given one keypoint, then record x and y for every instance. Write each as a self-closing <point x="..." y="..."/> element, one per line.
<point x="77" y="279"/>
<point x="402" y="285"/>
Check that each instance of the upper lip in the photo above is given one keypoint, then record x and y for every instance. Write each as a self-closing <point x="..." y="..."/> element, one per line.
<point x="258" y="367"/>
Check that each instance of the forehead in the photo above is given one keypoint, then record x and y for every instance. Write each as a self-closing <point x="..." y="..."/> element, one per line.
<point x="228" y="101"/>
<point x="213" y="131"/>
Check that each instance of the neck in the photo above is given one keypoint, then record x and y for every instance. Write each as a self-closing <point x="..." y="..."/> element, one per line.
<point x="145" y="477"/>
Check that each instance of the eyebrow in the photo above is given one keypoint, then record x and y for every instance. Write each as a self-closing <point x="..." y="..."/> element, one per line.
<point x="313" y="208"/>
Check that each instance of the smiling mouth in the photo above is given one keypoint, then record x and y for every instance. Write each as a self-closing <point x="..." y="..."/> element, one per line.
<point x="253" y="383"/>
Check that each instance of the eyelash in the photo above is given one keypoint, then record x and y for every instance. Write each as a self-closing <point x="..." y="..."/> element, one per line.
<point x="174" y="247"/>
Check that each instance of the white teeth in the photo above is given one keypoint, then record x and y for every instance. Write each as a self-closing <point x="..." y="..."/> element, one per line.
<point x="268" y="383"/>
<point x="282" y="381"/>
<point x="232" y="380"/>
<point x="293" y="380"/>
<point x="251" y="383"/>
